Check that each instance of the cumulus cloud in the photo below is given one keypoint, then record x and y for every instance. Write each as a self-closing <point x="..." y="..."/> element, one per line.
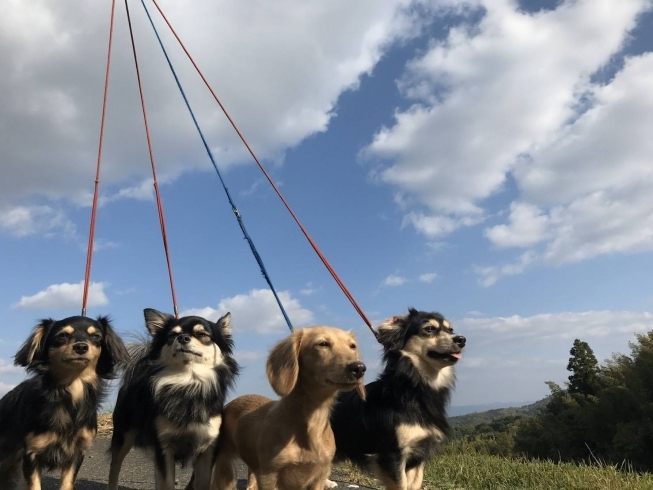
<point x="9" y="368"/>
<point x="258" y="312"/>
<point x="529" y="350"/>
<point x="505" y="96"/>
<point x="428" y="277"/>
<point x="5" y="388"/>
<point x="393" y="280"/>
<point x="555" y="326"/>
<point x="22" y="221"/>
<point x="280" y="68"/>
<point x="64" y="296"/>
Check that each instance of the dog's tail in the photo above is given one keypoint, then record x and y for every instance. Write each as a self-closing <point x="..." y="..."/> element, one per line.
<point x="136" y="350"/>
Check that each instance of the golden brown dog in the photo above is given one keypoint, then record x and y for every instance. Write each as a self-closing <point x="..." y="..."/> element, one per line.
<point x="288" y="444"/>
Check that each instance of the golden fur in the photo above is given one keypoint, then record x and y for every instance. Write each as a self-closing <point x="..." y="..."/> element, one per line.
<point x="288" y="444"/>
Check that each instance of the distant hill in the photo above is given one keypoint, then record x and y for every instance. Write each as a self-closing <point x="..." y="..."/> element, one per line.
<point x="466" y="417"/>
<point x="465" y="409"/>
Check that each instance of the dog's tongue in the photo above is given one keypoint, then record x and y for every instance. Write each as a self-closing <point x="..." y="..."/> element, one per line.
<point x="457" y="355"/>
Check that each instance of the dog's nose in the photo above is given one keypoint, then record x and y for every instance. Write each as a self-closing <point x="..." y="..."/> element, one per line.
<point x="460" y="340"/>
<point x="80" y="347"/>
<point x="357" y="369"/>
<point x="183" y="338"/>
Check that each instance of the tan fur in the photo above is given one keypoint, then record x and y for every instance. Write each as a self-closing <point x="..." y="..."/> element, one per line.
<point x="85" y="438"/>
<point x="415" y="477"/>
<point x="74" y="375"/>
<point x="91" y="330"/>
<point x="67" y="478"/>
<point x="288" y="444"/>
<point x="68" y="329"/>
<point x="37" y="338"/>
<point x="36" y="443"/>
<point x="410" y="435"/>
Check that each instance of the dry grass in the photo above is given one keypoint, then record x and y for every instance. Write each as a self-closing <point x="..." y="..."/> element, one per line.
<point x="104" y="424"/>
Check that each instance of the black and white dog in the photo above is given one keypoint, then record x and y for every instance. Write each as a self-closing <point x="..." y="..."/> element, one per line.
<point x="49" y="421"/>
<point x="399" y="428"/>
<point x="172" y="395"/>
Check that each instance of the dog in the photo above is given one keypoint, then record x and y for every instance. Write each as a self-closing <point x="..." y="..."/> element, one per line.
<point x="49" y="421"/>
<point x="398" y="429"/>
<point x="288" y="444"/>
<point x="172" y="395"/>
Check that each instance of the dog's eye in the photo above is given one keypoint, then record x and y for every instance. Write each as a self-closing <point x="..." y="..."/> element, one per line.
<point x="324" y="344"/>
<point x="202" y="335"/>
<point x="61" y="339"/>
<point x="431" y="329"/>
<point x="352" y="346"/>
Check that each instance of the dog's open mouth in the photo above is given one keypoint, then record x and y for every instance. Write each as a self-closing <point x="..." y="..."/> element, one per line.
<point x="453" y="357"/>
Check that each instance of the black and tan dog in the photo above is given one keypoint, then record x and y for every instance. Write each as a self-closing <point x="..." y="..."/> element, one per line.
<point x="172" y="395"/>
<point x="48" y="421"/>
<point x="402" y="423"/>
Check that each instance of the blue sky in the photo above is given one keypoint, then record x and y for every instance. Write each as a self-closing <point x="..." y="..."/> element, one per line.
<point x="489" y="159"/>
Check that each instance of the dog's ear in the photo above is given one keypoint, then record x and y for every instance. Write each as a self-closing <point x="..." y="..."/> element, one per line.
<point x="224" y="324"/>
<point x="114" y="354"/>
<point x="155" y="320"/>
<point x="283" y="364"/>
<point x="391" y="333"/>
<point x="32" y="353"/>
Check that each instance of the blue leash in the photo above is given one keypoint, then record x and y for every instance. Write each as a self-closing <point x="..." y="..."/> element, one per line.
<point x="258" y="258"/>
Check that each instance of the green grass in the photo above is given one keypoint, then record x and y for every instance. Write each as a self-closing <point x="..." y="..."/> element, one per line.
<point x="476" y="472"/>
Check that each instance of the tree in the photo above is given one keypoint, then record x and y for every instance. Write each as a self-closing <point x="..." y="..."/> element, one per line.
<point x="584" y="368"/>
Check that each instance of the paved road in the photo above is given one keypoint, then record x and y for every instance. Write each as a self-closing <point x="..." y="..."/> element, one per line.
<point x="137" y="472"/>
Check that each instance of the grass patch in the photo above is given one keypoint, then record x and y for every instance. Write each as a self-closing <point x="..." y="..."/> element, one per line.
<point x="470" y="471"/>
<point x="476" y="472"/>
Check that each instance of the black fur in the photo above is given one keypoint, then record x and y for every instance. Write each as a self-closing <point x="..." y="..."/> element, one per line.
<point x="44" y="405"/>
<point x="140" y="405"/>
<point x="365" y="431"/>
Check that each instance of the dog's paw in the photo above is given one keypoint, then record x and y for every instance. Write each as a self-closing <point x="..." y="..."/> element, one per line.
<point x="330" y="484"/>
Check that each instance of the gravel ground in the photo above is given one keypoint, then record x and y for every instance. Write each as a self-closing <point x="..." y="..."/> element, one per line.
<point x="137" y="472"/>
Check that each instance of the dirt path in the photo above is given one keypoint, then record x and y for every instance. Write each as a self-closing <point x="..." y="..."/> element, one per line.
<point x="137" y="472"/>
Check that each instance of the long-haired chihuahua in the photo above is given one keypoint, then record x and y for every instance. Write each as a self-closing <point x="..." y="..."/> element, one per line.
<point x="48" y="421"/>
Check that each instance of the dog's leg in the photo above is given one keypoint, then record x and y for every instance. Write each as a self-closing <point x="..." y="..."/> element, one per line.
<point x="69" y="473"/>
<point x="415" y="476"/>
<point x="330" y="484"/>
<point x="267" y="480"/>
<point x="121" y="444"/>
<point x="31" y="473"/>
<point x="252" y="484"/>
<point x="391" y="470"/>
<point x="164" y="469"/>
<point x="224" y="473"/>
<point x="202" y="470"/>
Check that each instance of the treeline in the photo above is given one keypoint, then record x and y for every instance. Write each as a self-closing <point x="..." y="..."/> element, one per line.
<point x="605" y="412"/>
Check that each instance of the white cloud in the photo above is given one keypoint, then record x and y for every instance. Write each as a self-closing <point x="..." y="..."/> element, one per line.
<point x="22" y="221"/>
<point x="64" y="296"/>
<point x="489" y="275"/>
<point x="9" y="368"/>
<point x="309" y="290"/>
<point x="280" y="69"/>
<point x="258" y="311"/>
<point x="428" y="277"/>
<point x="393" y="280"/>
<point x="5" y="388"/>
<point x="555" y="326"/>
<point x="508" y="96"/>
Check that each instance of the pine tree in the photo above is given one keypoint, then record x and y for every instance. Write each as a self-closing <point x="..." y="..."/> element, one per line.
<point x="584" y="368"/>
